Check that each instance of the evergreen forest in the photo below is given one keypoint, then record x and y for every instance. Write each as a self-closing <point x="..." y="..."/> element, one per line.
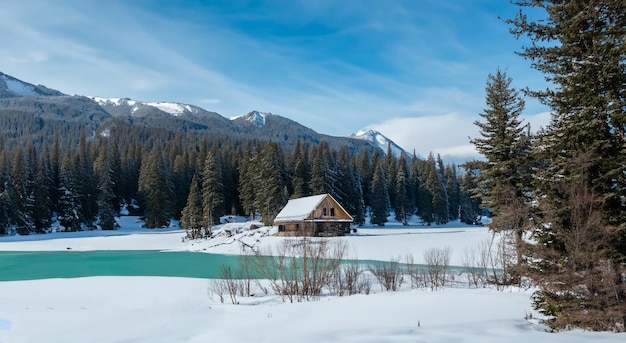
<point x="83" y="181"/>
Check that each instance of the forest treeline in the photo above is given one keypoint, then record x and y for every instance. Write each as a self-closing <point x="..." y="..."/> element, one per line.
<point x="84" y="181"/>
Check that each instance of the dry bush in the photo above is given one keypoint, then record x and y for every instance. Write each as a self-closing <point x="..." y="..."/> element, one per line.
<point x="417" y="274"/>
<point x="350" y="279"/>
<point x="389" y="275"/>
<point x="300" y="269"/>
<point x="437" y="262"/>
<point x="475" y="264"/>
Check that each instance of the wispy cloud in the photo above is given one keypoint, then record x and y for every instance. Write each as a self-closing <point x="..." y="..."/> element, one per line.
<point x="407" y="69"/>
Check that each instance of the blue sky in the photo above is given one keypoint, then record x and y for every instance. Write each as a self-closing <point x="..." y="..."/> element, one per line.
<point x="414" y="70"/>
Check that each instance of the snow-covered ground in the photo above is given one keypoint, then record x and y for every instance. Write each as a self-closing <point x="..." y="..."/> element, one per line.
<point x="160" y="309"/>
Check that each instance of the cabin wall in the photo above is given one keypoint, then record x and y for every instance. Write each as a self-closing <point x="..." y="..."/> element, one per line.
<point x="330" y="210"/>
<point x="313" y="229"/>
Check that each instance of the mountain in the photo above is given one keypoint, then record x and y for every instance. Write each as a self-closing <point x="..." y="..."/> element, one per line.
<point x="287" y="132"/>
<point x="256" y="118"/>
<point x="11" y="87"/>
<point x="38" y="113"/>
<point x="379" y="140"/>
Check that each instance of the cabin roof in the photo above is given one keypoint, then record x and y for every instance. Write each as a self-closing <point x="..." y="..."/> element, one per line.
<point x="300" y="208"/>
<point x="305" y="209"/>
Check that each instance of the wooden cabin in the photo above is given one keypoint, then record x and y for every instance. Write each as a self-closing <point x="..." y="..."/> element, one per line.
<point x="317" y="215"/>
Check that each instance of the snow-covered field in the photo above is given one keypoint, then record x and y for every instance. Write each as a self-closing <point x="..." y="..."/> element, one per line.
<point x="159" y="309"/>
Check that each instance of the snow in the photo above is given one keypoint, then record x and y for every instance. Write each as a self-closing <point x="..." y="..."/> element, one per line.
<point x="172" y="108"/>
<point x="299" y="209"/>
<point x="379" y="140"/>
<point x="19" y="88"/>
<point x="170" y="309"/>
<point x="257" y="118"/>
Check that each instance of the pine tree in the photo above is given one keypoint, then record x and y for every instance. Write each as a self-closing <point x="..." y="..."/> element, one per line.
<point x="301" y="171"/>
<point x="192" y="219"/>
<point x="270" y="197"/>
<point x="212" y="190"/>
<point x="248" y="177"/>
<point x="21" y="193"/>
<point x="86" y="182"/>
<point x="155" y="190"/>
<point x="437" y="210"/>
<point x="42" y="207"/>
<point x="105" y="183"/>
<point x="365" y="169"/>
<point x="579" y="257"/>
<point x="358" y="213"/>
<point x="320" y="170"/>
<point x="453" y="189"/>
<point x="380" y="196"/>
<point x="70" y="207"/>
<point x="504" y="179"/>
<point x="402" y="204"/>
<point x="391" y="170"/>
<point x="444" y="181"/>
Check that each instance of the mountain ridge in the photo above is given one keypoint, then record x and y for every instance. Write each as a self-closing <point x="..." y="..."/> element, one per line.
<point x="96" y="113"/>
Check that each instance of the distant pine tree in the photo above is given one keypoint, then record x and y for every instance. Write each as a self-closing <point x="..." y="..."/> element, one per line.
<point x="154" y="187"/>
<point x="106" y="197"/>
<point x="248" y="178"/>
<point x="270" y="196"/>
<point x="212" y="190"/>
<point x="192" y="218"/>
<point x="380" y="196"/>
<point x="402" y="204"/>
<point x="301" y="171"/>
<point x="70" y="206"/>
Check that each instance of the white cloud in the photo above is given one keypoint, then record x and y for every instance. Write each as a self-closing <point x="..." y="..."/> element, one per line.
<point x="448" y="135"/>
<point x="444" y="134"/>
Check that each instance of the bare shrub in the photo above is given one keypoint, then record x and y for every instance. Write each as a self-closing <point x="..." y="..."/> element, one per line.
<point x="389" y="275"/>
<point x="475" y="264"/>
<point x="437" y="262"/>
<point x="300" y="269"/>
<point x="350" y="279"/>
<point x="502" y="257"/>
<point x="416" y="273"/>
<point x="217" y="287"/>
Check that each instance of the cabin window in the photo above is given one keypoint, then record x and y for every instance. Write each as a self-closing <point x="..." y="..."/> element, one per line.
<point x="332" y="212"/>
<point x="324" y="212"/>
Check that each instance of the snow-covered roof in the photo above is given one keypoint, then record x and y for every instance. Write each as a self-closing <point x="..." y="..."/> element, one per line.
<point x="299" y="209"/>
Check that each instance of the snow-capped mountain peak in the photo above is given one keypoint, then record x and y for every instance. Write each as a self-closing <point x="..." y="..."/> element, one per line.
<point x="379" y="140"/>
<point x="256" y="118"/>
<point x="172" y="108"/>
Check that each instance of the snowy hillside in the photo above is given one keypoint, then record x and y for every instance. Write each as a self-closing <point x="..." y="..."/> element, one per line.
<point x="379" y="140"/>
<point x="256" y="118"/>
<point x="172" y="108"/>
<point x="11" y="87"/>
<point x="115" y="308"/>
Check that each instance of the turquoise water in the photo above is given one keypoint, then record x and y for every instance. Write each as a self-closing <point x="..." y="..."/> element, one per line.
<point x="70" y="264"/>
<point x="35" y="265"/>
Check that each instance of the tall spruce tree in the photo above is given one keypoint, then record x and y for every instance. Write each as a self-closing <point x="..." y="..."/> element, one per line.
<point x="579" y="257"/>
<point x="191" y="218"/>
<point x="248" y="178"/>
<point x="301" y="171"/>
<point x="212" y="189"/>
<point x="70" y="207"/>
<point x="270" y="196"/>
<point x="403" y="206"/>
<point x="105" y="183"/>
<point x="504" y="178"/>
<point x="156" y="191"/>
<point x="379" y="195"/>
